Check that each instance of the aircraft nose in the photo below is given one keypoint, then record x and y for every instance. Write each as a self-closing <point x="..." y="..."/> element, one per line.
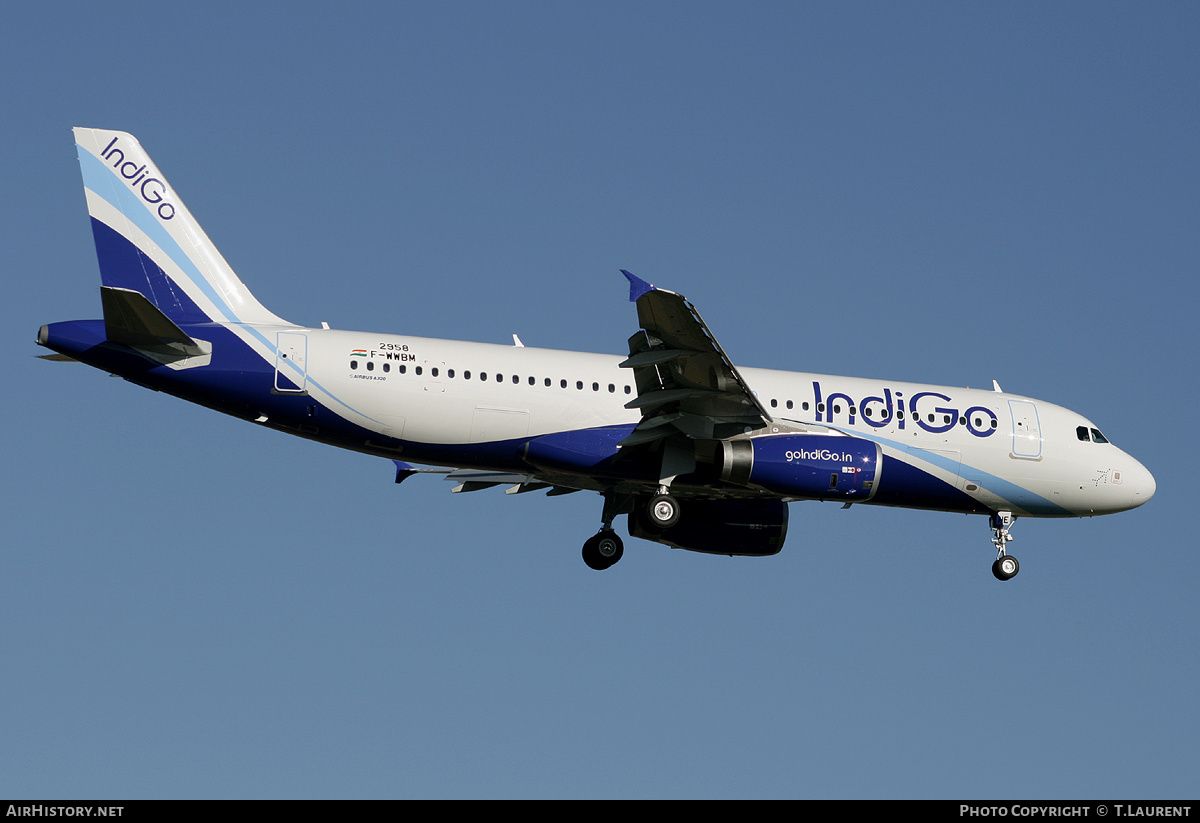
<point x="1141" y="484"/>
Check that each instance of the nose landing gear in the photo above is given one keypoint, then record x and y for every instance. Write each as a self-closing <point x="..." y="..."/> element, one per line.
<point x="1006" y="566"/>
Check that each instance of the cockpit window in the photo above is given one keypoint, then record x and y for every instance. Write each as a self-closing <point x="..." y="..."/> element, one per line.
<point x="1097" y="437"/>
<point x="1082" y="433"/>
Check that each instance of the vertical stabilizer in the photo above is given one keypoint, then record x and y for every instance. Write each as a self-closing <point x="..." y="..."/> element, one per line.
<point x="147" y="241"/>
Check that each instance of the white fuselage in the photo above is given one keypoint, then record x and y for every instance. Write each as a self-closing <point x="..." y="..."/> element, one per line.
<point x="1003" y="450"/>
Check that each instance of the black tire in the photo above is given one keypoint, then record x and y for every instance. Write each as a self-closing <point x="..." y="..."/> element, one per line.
<point x="602" y="550"/>
<point x="1006" y="567"/>
<point x="662" y="512"/>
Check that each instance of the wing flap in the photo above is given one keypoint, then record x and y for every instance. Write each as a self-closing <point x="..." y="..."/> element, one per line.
<point x="651" y="358"/>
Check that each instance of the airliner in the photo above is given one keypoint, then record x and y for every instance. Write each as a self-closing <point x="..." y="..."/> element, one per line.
<point x="698" y="453"/>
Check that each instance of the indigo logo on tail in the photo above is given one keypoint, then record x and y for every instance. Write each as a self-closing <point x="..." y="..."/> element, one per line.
<point x="151" y="189"/>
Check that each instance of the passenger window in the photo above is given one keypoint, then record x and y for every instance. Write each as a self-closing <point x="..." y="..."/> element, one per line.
<point x="354" y="364"/>
<point x="789" y="404"/>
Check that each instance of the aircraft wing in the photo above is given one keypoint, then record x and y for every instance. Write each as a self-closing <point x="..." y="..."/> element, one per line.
<point x="685" y="381"/>
<point x="470" y="480"/>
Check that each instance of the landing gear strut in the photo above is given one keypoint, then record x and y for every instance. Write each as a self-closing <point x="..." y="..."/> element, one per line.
<point x="604" y="548"/>
<point x="1006" y="566"/>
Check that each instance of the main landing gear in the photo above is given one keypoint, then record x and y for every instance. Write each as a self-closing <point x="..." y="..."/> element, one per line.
<point x="663" y="510"/>
<point x="604" y="548"/>
<point x="660" y="513"/>
<point x="1006" y="566"/>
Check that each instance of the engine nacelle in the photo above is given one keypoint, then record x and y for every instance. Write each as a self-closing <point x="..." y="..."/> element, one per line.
<point x="751" y="528"/>
<point x="815" y="466"/>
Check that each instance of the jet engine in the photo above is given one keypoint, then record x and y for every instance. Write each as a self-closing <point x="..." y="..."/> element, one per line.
<point x="812" y="466"/>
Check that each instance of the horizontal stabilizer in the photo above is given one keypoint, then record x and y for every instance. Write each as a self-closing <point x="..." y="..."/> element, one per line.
<point x="132" y="320"/>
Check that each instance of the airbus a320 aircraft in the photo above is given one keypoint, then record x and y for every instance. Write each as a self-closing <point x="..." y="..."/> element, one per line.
<point x="700" y="454"/>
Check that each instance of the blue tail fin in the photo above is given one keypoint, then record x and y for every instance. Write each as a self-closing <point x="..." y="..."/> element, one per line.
<point x="147" y="241"/>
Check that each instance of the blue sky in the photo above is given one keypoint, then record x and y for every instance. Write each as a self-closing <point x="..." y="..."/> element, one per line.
<point x="950" y="193"/>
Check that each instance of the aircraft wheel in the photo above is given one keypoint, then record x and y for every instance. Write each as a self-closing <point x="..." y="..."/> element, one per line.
<point x="663" y="511"/>
<point x="1006" y="567"/>
<point x="603" y="550"/>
